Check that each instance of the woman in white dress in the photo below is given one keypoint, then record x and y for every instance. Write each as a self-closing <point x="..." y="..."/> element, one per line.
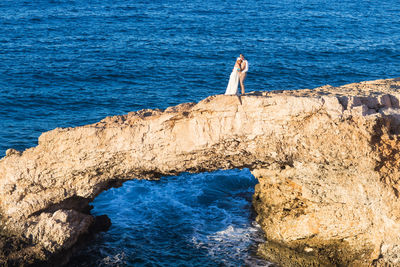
<point x="232" y="88"/>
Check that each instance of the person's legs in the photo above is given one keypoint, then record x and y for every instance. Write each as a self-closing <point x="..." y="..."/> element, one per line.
<point x="241" y="79"/>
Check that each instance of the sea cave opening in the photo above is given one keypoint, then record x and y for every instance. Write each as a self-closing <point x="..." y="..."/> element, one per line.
<point x="203" y="219"/>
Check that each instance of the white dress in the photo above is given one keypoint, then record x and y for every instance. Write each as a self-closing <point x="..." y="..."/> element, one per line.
<point x="232" y="88"/>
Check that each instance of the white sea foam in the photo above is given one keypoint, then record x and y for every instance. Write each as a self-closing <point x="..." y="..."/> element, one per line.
<point x="115" y="260"/>
<point x="234" y="242"/>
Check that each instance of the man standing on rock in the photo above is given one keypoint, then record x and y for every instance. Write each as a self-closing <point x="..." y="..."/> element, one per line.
<point x="243" y="72"/>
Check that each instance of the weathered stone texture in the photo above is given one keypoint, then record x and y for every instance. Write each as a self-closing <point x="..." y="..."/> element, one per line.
<point x="326" y="159"/>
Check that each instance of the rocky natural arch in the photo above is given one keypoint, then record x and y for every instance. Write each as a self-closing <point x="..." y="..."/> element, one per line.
<point x="326" y="160"/>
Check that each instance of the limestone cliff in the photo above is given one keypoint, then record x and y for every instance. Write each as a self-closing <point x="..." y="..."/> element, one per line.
<point x="326" y="159"/>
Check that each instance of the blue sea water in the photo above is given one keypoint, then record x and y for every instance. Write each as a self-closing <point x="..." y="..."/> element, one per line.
<point x="66" y="63"/>
<point x="189" y="220"/>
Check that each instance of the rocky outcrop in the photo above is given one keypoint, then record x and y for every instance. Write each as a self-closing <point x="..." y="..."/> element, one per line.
<point x="326" y="159"/>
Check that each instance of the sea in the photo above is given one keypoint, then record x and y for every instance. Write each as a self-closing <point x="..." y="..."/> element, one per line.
<point x="65" y="63"/>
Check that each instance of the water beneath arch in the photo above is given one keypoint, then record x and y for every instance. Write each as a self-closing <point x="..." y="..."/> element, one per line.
<point x="201" y="219"/>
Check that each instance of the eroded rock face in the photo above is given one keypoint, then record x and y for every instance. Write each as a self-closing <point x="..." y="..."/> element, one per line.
<point x="327" y="162"/>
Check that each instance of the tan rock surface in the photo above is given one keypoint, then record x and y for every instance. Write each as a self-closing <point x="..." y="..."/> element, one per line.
<point x="327" y="161"/>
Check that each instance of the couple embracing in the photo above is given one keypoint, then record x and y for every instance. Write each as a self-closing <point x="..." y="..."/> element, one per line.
<point x="239" y="73"/>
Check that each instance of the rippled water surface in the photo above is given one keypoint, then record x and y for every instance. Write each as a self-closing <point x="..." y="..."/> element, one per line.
<point x="66" y="63"/>
<point x="190" y="220"/>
